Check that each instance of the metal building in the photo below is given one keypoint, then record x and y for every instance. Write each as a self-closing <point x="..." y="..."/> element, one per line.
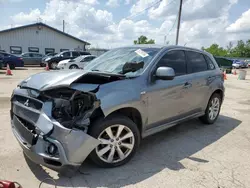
<point x="38" y="37"/>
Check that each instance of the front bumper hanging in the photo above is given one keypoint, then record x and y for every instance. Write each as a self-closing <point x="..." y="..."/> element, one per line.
<point x="63" y="147"/>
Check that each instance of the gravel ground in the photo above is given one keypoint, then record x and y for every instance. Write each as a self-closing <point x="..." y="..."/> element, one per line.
<point x="189" y="155"/>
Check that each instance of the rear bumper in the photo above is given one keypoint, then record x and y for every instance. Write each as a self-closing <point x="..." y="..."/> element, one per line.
<point x="72" y="146"/>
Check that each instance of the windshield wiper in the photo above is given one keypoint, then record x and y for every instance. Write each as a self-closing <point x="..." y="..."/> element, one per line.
<point x="95" y="70"/>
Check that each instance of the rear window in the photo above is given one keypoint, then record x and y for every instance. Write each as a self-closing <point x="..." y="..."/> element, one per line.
<point x="209" y="63"/>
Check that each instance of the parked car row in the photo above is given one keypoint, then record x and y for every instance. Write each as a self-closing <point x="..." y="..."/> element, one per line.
<point x="70" y="54"/>
<point x="228" y="64"/>
<point x="237" y="64"/>
<point x="32" y="58"/>
<point x="77" y="63"/>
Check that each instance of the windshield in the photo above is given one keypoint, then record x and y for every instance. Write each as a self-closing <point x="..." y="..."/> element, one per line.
<point x="57" y="55"/>
<point x="114" y="60"/>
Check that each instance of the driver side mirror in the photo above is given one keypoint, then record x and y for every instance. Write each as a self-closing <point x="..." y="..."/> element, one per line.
<point x="165" y="73"/>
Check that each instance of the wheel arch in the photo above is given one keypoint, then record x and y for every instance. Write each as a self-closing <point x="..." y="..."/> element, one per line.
<point x="130" y="112"/>
<point x="218" y="91"/>
<point x="73" y="65"/>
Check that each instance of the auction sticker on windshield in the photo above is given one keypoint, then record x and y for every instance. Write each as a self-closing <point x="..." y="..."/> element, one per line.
<point x="141" y="53"/>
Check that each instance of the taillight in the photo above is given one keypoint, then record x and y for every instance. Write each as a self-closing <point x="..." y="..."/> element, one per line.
<point x="20" y="58"/>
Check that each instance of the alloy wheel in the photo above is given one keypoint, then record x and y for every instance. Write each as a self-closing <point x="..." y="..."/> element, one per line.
<point x="214" y="108"/>
<point x="73" y="67"/>
<point x="53" y="65"/>
<point x="117" y="142"/>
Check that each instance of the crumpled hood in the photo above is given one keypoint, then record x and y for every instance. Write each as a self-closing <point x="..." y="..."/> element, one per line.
<point x="52" y="79"/>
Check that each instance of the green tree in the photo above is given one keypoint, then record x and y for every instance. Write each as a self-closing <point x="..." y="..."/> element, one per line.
<point x="216" y="50"/>
<point x="144" y="40"/>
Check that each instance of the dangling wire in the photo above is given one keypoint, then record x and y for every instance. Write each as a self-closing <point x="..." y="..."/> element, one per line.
<point x="48" y="179"/>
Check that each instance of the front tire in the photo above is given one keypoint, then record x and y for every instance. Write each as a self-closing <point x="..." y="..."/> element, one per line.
<point x="53" y="65"/>
<point x="213" y="109"/>
<point x="73" y="66"/>
<point x="120" y="139"/>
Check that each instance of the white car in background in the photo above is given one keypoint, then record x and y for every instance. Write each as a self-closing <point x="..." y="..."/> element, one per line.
<point x="77" y="63"/>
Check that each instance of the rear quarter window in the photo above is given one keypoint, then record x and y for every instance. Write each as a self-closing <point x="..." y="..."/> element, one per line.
<point x="210" y="63"/>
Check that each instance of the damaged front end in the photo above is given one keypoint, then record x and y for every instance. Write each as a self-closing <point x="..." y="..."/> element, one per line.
<point x="71" y="108"/>
<point x="51" y="125"/>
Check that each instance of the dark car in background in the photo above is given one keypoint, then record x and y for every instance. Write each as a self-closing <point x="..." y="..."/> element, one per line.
<point x="12" y="60"/>
<point x="53" y="61"/>
<point x="43" y="63"/>
<point x="224" y="63"/>
<point x="32" y="58"/>
<point x="1" y="62"/>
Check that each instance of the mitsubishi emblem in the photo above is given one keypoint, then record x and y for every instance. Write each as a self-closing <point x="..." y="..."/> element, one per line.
<point x="26" y="103"/>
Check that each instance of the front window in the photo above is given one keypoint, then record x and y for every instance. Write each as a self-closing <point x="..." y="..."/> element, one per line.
<point x="114" y="60"/>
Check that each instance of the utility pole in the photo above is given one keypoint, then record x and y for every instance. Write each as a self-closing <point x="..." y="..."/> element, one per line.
<point x="178" y="25"/>
<point x="63" y="25"/>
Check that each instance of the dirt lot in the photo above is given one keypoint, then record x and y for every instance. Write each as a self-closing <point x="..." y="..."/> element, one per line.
<point x="189" y="155"/>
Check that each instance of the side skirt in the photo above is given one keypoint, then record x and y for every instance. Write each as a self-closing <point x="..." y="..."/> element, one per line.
<point x="170" y="124"/>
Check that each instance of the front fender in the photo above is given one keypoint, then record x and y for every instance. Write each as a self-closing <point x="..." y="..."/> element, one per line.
<point x="114" y="101"/>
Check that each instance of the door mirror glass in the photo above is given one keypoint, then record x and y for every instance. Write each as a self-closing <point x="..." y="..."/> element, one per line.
<point x="165" y="73"/>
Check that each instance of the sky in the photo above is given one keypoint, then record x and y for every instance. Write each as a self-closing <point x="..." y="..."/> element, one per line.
<point x="115" y="23"/>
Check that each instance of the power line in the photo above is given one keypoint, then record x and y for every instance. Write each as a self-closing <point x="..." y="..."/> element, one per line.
<point x="152" y="5"/>
<point x="138" y="13"/>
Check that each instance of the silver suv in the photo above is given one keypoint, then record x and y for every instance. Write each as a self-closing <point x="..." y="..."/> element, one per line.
<point x="122" y="96"/>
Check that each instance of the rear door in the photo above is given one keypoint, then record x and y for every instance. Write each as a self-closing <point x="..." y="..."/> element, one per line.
<point x="200" y="70"/>
<point x="27" y="58"/>
<point x="38" y="58"/>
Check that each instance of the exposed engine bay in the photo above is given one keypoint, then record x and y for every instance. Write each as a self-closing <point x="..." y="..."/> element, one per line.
<point x="71" y="108"/>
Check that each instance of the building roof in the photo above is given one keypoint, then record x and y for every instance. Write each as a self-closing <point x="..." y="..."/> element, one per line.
<point x="44" y="25"/>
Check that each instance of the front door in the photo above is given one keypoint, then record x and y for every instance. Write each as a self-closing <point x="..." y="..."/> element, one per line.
<point x="166" y="98"/>
<point x="66" y="55"/>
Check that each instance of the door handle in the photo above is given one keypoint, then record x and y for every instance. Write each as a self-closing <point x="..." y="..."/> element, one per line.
<point x="187" y="85"/>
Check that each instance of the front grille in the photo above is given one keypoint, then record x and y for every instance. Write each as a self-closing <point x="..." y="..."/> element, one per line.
<point x="29" y="102"/>
<point x="27" y="124"/>
<point x="26" y="130"/>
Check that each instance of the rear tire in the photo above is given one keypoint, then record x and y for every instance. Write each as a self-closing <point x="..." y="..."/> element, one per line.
<point x="213" y="109"/>
<point x="120" y="141"/>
